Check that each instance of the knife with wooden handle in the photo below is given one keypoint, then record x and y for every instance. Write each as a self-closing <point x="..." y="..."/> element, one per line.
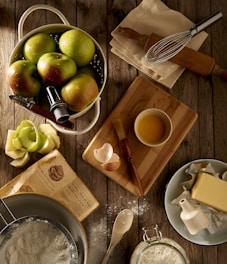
<point x="119" y="128"/>
<point x="188" y="58"/>
<point x="40" y="111"/>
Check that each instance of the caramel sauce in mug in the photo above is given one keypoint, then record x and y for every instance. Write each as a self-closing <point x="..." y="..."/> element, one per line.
<point x="151" y="128"/>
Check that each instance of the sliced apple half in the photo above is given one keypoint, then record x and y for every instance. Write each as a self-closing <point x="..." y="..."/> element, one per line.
<point x="27" y="138"/>
<point x="30" y="138"/>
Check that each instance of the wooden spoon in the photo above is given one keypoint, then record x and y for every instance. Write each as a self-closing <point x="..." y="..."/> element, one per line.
<point x="121" y="225"/>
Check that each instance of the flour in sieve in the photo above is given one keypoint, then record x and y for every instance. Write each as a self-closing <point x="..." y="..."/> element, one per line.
<point x="36" y="242"/>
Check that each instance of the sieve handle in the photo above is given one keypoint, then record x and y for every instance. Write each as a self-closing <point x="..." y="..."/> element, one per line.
<point x="8" y="210"/>
<point x="82" y="131"/>
<point x="38" y="7"/>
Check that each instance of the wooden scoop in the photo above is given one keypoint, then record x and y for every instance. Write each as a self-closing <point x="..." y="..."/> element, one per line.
<point x="188" y="58"/>
<point x="122" y="224"/>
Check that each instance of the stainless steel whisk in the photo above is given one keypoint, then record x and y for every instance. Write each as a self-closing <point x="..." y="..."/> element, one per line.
<point x="168" y="47"/>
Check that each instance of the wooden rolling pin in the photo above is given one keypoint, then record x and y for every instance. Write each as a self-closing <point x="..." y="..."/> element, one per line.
<point x="188" y="58"/>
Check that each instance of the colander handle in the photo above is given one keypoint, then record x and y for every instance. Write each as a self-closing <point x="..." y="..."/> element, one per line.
<point x="38" y="7"/>
<point x="82" y="131"/>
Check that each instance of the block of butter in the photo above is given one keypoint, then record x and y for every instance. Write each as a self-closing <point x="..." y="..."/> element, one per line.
<point x="210" y="191"/>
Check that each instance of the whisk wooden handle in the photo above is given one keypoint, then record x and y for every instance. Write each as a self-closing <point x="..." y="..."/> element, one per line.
<point x="188" y="58"/>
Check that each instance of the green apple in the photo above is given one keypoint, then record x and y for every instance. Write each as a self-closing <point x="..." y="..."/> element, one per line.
<point x="79" y="92"/>
<point x="78" y="45"/>
<point x="56" y="68"/>
<point x="88" y="69"/>
<point x="23" y="78"/>
<point x="37" y="45"/>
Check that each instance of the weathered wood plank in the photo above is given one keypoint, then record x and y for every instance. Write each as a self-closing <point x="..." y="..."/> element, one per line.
<point x="207" y="138"/>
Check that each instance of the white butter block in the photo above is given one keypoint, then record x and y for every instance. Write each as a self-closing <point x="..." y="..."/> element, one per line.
<point x="210" y="191"/>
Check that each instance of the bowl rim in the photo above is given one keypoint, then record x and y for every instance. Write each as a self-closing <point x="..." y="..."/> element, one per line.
<point x="164" y="116"/>
<point x="60" y="28"/>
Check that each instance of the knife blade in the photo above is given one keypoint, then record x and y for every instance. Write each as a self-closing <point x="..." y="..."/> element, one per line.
<point x="35" y="108"/>
<point x="126" y="149"/>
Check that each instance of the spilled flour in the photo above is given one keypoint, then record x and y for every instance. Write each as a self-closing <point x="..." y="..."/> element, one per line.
<point x="36" y="242"/>
<point x="139" y="206"/>
<point x="99" y="232"/>
<point x="100" y="229"/>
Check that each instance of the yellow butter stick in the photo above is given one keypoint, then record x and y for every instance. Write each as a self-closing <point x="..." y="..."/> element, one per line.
<point x="210" y="191"/>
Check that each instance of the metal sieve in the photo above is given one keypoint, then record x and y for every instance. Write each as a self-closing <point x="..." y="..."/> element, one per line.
<point x="11" y="227"/>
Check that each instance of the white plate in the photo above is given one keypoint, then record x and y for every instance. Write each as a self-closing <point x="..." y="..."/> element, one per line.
<point x="33" y="204"/>
<point x="173" y="211"/>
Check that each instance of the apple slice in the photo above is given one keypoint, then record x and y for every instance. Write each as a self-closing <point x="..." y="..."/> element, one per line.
<point x="50" y="131"/>
<point x="21" y="162"/>
<point x="56" y="140"/>
<point x="17" y="144"/>
<point x="47" y="147"/>
<point x="47" y="129"/>
<point x="24" y="123"/>
<point x="10" y="149"/>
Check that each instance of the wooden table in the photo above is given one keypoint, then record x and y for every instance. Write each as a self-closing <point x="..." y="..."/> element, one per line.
<point x="207" y="138"/>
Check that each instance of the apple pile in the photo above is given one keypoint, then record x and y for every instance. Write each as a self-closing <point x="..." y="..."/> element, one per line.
<point x="28" y="138"/>
<point x="62" y="62"/>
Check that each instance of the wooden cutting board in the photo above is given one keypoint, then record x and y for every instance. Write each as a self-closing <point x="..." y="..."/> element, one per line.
<point x="149" y="162"/>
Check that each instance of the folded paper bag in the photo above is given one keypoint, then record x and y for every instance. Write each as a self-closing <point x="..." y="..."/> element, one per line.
<point x="153" y="16"/>
<point x="53" y="177"/>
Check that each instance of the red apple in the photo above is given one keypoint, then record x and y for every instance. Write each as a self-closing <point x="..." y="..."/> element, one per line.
<point x="56" y="68"/>
<point x="23" y="78"/>
<point x="79" y="92"/>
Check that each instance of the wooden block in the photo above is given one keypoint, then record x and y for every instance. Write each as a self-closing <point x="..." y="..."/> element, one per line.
<point x="149" y="162"/>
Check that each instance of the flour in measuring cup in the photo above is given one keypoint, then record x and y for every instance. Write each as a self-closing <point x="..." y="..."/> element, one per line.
<point x="161" y="254"/>
<point x="36" y="242"/>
